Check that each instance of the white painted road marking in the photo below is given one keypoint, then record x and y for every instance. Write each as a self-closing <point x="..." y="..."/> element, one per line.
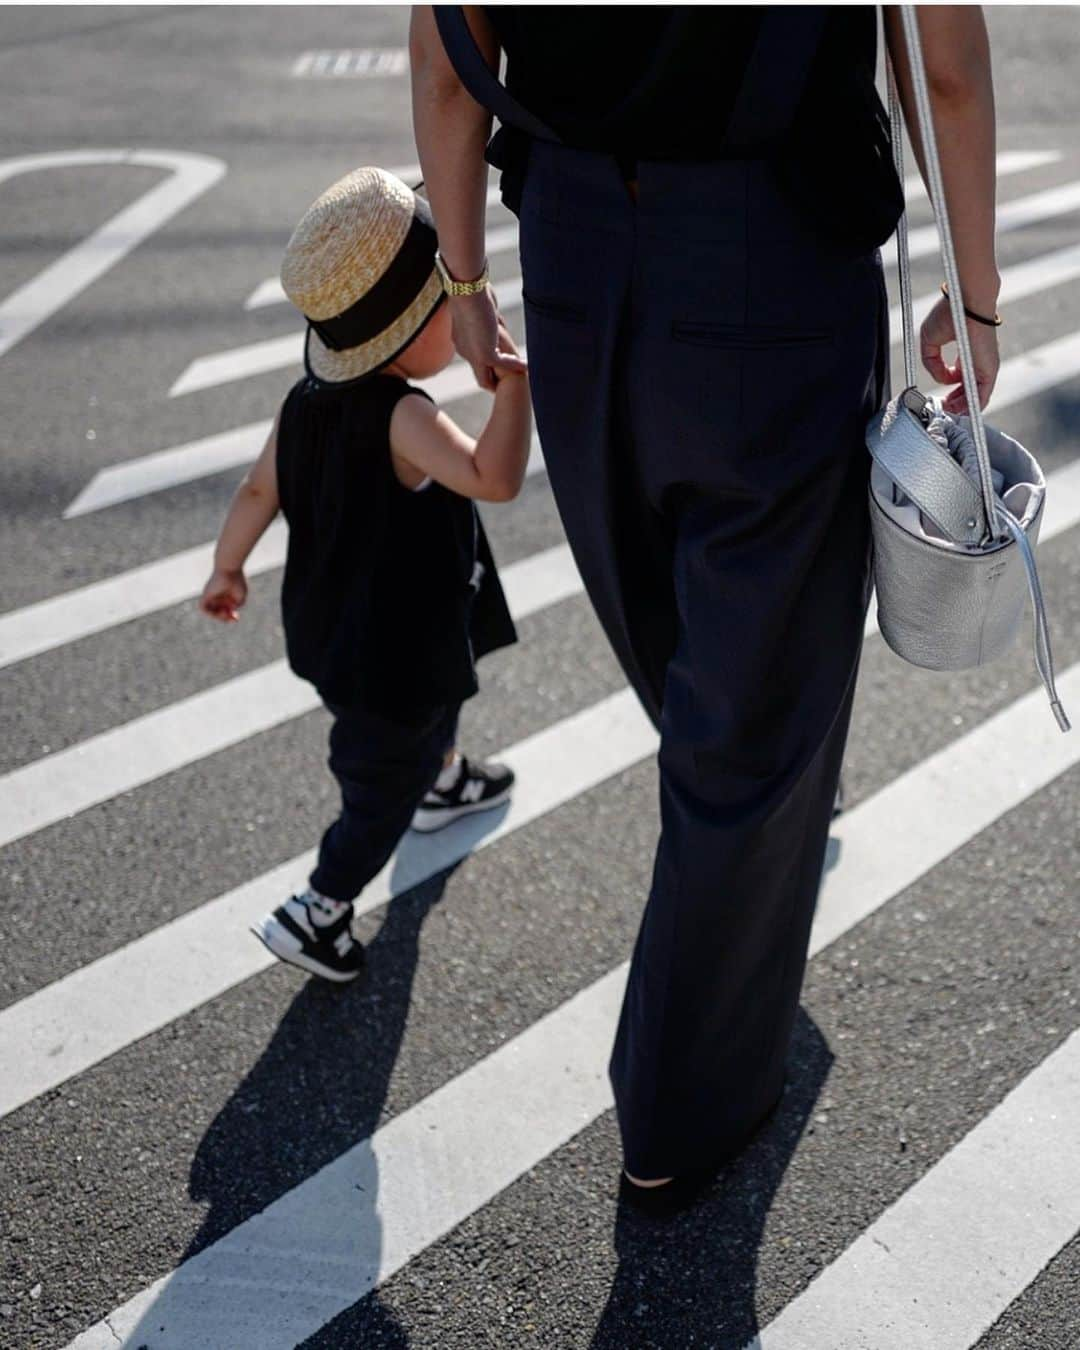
<point x="1014" y="215"/>
<point x="76" y="614"/>
<point x="129" y="595"/>
<point x="1030" y="373"/>
<point x="356" y="1222"/>
<point x="242" y="362"/>
<point x="351" y="63"/>
<point x="1008" y="162"/>
<point x="138" y="752"/>
<point x="225" y="450"/>
<point x="257" y="358"/>
<point x="278" y="1277"/>
<point x="1044" y="273"/>
<point x="64" y="1028"/>
<point x="74" y="1023"/>
<point x="942" y="1264"/>
<point x="61" y="281"/>
<point x="170" y="468"/>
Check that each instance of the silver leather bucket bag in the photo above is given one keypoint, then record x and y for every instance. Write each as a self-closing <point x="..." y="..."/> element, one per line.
<point x="955" y="505"/>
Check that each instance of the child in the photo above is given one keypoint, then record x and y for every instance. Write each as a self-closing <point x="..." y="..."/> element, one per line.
<point x="390" y="591"/>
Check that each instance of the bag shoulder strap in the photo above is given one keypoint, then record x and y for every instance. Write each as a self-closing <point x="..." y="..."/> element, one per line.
<point x="773" y="81"/>
<point x="477" y="77"/>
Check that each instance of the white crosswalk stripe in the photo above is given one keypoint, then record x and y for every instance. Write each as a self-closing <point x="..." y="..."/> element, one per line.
<point x="213" y="454"/>
<point x="129" y="756"/>
<point x="159" y="743"/>
<point x="241" y="363"/>
<point x="180" y="464"/>
<point x="80" y="613"/>
<point x="69" y="1026"/>
<point x="440" y="1161"/>
<point x="942" y="1264"/>
<point x="933" y="1271"/>
<point x="504" y="237"/>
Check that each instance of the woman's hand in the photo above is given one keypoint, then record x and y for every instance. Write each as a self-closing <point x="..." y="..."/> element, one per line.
<point x="224" y="595"/>
<point x="481" y="338"/>
<point x="937" y="331"/>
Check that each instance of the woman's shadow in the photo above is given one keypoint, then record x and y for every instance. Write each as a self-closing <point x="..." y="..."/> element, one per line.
<point x="321" y="1086"/>
<point x="691" y="1280"/>
<point x="317" y="1091"/>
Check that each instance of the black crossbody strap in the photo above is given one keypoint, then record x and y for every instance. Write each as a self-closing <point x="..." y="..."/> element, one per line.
<point x="474" y="73"/>
<point x="764" y="107"/>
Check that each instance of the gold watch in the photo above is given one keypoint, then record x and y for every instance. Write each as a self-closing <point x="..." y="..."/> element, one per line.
<point x="454" y="287"/>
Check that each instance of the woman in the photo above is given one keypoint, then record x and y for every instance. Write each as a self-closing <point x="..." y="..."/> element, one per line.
<point x="702" y="193"/>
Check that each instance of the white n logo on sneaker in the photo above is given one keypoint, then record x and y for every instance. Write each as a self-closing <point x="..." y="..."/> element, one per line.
<point x="343" y="942"/>
<point x="473" y="790"/>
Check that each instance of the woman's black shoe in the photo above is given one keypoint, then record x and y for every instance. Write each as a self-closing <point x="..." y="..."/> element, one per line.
<point x="674" y="1196"/>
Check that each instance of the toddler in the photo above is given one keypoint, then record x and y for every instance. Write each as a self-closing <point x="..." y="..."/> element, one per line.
<point x="390" y="592"/>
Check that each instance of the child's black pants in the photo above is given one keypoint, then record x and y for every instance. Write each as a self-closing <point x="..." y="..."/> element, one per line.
<point x="383" y="768"/>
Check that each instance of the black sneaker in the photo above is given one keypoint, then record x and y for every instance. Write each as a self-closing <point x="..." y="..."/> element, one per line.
<point x="478" y="787"/>
<point x="314" y="934"/>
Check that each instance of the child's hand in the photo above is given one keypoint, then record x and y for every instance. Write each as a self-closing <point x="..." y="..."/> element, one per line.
<point x="224" y="595"/>
<point x="506" y="344"/>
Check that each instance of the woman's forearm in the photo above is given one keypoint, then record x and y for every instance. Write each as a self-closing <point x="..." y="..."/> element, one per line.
<point x="956" y="52"/>
<point x="451" y="131"/>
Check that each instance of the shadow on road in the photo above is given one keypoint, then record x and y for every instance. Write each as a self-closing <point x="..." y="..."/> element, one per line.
<point x="691" y="1280"/>
<point x="319" y="1088"/>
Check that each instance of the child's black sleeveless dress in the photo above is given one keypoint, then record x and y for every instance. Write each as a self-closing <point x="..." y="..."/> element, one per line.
<point x="389" y="595"/>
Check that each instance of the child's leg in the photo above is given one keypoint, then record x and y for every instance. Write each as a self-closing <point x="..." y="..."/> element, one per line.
<point x="383" y="768"/>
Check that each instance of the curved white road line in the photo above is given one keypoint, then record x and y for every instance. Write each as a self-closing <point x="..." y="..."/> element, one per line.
<point x="38" y="299"/>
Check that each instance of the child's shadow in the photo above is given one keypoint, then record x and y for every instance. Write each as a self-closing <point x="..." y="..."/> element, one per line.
<point x="692" y="1280"/>
<point x="317" y="1090"/>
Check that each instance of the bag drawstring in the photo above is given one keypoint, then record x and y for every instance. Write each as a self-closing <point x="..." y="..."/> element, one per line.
<point x="1044" y="659"/>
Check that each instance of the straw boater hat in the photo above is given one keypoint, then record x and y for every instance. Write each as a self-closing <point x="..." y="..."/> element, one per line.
<point x="360" y="267"/>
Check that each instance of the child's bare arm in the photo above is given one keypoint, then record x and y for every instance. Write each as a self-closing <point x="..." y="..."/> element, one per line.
<point x="489" y="469"/>
<point x="253" y="507"/>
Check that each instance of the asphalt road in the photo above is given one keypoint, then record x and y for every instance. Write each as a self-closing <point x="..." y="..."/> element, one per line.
<point x="917" y="1022"/>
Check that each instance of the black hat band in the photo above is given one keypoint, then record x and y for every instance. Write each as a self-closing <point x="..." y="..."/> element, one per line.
<point x="392" y="294"/>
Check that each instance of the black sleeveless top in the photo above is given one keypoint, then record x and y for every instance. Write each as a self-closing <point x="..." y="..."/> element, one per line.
<point x="672" y="73"/>
<point x="389" y="595"/>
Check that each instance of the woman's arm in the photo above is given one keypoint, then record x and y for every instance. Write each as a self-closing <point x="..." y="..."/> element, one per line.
<point x="956" y="52"/>
<point x="451" y="131"/>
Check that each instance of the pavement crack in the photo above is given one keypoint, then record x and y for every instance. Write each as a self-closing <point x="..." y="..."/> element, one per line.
<point x="114" y="1332"/>
<point x="880" y="1243"/>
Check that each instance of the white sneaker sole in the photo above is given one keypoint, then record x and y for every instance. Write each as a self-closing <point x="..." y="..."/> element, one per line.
<point x="427" y="821"/>
<point x="281" y="943"/>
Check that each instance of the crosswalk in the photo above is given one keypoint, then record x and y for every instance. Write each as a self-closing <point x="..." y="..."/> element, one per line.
<point x="935" y="1264"/>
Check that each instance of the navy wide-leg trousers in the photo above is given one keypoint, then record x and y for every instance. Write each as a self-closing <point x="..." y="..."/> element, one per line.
<point x="703" y="366"/>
